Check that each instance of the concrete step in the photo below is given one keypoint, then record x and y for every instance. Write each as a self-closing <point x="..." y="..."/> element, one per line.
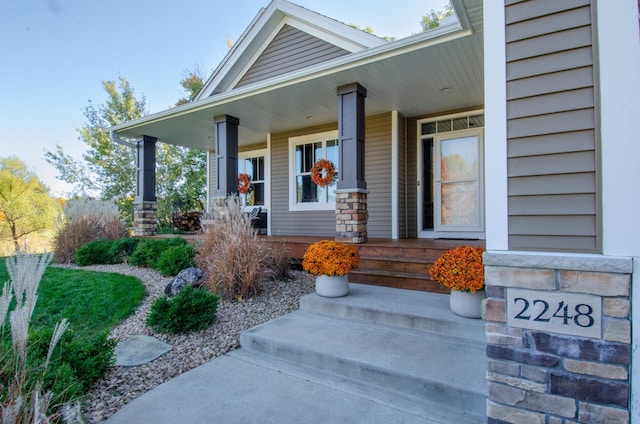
<point x="405" y="308"/>
<point x="394" y="345"/>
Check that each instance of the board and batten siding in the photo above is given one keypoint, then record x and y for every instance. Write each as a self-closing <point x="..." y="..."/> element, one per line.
<point x="290" y="50"/>
<point x="551" y="126"/>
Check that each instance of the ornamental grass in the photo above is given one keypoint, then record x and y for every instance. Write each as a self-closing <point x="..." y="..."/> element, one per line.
<point x="460" y="269"/>
<point x="330" y="258"/>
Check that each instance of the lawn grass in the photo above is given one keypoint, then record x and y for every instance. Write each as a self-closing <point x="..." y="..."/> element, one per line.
<point x="92" y="301"/>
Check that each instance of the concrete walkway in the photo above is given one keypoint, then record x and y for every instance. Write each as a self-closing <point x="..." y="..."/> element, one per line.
<point x="378" y="355"/>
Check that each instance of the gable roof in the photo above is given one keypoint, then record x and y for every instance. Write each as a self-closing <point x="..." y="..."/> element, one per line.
<point x="317" y="38"/>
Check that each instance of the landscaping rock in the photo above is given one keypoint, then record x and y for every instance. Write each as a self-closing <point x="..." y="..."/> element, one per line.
<point x="188" y="276"/>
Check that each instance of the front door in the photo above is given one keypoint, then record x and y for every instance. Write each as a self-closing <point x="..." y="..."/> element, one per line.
<point x="450" y="187"/>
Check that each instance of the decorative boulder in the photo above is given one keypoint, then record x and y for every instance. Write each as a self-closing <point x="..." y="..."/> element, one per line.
<point x="188" y="276"/>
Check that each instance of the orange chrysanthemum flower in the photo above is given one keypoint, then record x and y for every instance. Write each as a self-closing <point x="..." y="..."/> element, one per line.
<point x="460" y="269"/>
<point x="330" y="258"/>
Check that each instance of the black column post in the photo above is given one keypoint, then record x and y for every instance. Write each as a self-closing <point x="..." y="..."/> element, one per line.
<point x="226" y="155"/>
<point x="145" y="209"/>
<point x="146" y="169"/>
<point x="351" y="136"/>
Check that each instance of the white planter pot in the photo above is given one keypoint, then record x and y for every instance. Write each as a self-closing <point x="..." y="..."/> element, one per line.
<point x="332" y="286"/>
<point x="466" y="304"/>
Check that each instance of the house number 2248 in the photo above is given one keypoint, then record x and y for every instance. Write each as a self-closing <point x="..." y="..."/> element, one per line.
<point x="558" y="312"/>
<point x="582" y="312"/>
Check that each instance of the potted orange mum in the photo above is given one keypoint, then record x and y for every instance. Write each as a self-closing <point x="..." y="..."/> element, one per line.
<point x="461" y="269"/>
<point x="330" y="261"/>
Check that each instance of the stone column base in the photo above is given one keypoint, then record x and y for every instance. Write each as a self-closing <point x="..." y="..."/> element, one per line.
<point x="145" y="219"/>
<point x="351" y="216"/>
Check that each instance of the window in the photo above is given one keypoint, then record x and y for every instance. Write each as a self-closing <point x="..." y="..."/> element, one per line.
<point x="253" y="164"/>
<point x="303" y="152"/>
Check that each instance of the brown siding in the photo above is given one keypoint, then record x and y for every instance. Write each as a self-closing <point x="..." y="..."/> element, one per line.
<point x="551" y="126"/>
<point x="322" y="223"/>
<point x="283" y="221"/>
<point x="402" y="177"/>
<point x="378" y="174"/>
<point x="290" y="50"/>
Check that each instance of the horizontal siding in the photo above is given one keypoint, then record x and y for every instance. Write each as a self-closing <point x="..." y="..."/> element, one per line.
<point x="293" y="223"/>
<point x="518" y="11"/>
<point x="556" y="23"/>
<point x="574" y="141"/>
<point x="552" y="184"/>
<point x="565" y="163"/>
<point x="290" y="50"/>
<point x="378" y="174"/>
<point x="412" y="177"/>
<point x="402" y="177"/>
<point x="571" y="79"/>
<point x="551" y="103"/>
<point x="551" y="126"/>
<point x="550" y="63"/>
<point x="553" y="225"/>
<point x="573" y="204"/>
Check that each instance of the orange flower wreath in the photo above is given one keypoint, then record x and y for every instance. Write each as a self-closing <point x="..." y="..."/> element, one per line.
<point x="243" y="183"/>
<point x="317" y="171"/>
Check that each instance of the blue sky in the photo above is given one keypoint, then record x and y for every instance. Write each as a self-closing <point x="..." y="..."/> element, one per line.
<point x="55" y="53"/>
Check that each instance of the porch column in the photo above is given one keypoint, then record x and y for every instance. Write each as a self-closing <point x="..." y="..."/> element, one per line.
<point x="226" y="155"/>
<point x="145" y="207"/>
<point x="351" y="193"/>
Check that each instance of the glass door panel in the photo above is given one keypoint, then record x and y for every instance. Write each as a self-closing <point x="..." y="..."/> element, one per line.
<point x="458" y="184"/>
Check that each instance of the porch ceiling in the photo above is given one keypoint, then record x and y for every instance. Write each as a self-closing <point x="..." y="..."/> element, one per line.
<point x="409" y="78"/>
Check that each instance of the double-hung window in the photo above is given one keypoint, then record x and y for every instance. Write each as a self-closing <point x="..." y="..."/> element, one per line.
<point x="303" y="152"/>
<point x="253" y="164"/>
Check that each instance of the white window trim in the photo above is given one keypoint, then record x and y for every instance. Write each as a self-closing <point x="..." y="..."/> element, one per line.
<point x="293" y="142"/>
<point x="267" y="176"/>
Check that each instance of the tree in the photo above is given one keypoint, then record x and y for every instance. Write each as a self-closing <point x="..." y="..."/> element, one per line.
<point x="25" y="204"/>
<point x="432" y="19"/>
<point x="108" y="169"/>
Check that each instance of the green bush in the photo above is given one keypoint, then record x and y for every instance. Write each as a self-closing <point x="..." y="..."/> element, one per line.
<point x="175" y="259"/>
<point x="95" y="252"/>
<point x="123" y="248"/>
<point x="191" y="309"/>
<point x="149" y="250"/>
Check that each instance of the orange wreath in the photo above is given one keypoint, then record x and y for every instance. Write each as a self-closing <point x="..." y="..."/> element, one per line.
<point x="321" y="167"/>
<point x="243" y="183"/>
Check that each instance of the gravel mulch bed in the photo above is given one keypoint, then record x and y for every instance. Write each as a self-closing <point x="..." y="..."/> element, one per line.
<point x="123" y="384"/>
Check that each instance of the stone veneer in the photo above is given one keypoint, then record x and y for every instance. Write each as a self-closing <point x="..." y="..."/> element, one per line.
<point x="546" y="377"/>
<point x="351" y="216"/>
<point x="145" y="218"/>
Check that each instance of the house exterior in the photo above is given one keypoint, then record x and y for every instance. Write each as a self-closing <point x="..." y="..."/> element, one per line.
<point x="512" y="123"/>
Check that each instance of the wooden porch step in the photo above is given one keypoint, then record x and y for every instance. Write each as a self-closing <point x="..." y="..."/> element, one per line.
<point x="395" y="279"/>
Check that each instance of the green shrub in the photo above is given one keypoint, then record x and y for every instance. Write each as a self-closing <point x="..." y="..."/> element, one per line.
<point x="149" y="250"/>
<point x="175" y="259"/>
<point x="95" y="252"/>
<point x="123" y="248"/>
<point x="191" y="309"/>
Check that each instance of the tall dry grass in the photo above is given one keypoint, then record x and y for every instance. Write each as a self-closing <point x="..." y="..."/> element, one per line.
<point x="86" y="220"/>
<point x="232" y="255"/>
<point x="21" y="387"/>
